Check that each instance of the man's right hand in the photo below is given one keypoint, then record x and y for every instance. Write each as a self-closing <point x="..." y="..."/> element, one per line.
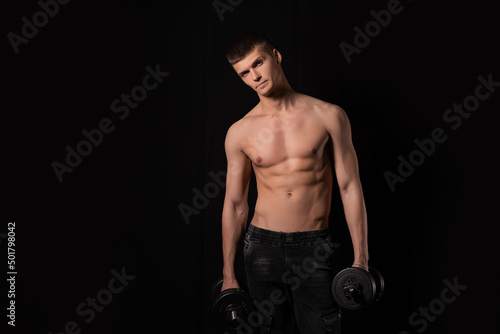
<point x="230" y="284"/>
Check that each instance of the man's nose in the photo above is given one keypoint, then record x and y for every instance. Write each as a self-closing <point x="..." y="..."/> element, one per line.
<point x="255" y="75"/>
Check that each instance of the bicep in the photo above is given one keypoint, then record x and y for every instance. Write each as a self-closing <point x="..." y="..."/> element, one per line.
<point x="238" y="172"/>
<point x="344" y="154"/>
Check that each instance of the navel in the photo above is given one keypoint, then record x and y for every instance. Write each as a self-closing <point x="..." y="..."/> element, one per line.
<point x="289" y="194"/>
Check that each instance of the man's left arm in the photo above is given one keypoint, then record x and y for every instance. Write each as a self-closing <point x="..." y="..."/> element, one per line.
<point x="347" y="173"/>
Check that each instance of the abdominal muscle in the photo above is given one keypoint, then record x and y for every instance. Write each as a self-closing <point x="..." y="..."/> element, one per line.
<point x="296" y="202"/>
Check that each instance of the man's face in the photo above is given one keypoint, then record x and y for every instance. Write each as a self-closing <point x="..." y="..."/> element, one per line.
<point x="259" y="70"/>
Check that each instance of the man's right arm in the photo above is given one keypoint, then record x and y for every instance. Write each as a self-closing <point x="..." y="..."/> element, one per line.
<point x="235" y="211"/>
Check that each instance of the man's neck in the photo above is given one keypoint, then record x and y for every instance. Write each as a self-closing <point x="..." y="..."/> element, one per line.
<point x="279" y="101"/>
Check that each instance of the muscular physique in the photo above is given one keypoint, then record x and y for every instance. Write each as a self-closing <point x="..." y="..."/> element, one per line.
<point x="295" y="144"/>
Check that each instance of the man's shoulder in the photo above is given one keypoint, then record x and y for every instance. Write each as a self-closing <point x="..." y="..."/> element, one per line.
<point x="240" y="127"/>
<point x="321" y="107"/>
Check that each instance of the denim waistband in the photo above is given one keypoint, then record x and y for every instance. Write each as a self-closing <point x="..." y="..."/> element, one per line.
<point x="277" y="238"/>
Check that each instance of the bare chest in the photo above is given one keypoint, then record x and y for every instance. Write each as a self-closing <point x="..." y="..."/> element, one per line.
<point x="270" y="142"/>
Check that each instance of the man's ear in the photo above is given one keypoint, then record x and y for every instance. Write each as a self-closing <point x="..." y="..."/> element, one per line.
<point x="277" y="56"/>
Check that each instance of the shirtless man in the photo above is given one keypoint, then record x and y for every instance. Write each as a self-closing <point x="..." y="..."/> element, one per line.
<point x="295" y="144"/>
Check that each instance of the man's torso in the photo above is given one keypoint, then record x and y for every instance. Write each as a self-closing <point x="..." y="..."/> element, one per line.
<point x="291" y="156"/>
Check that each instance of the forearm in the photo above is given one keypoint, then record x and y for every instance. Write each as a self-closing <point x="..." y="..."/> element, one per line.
<point x="355" y="213"/>
<point x="233" y="226"/>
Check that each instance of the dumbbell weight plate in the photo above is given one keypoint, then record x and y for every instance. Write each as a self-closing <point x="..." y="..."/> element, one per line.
<point x="216" y="289"/>
<point x="379" y="283"/>
<point x="354" y="288"/>
<point x="229" y="305"/>
<point x="218" y="286"/>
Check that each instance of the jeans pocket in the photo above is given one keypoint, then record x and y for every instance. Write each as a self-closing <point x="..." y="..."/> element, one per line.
<point x="246" y="246"/>
<point x="330" y="248"/>
<point x="332" y="321"/>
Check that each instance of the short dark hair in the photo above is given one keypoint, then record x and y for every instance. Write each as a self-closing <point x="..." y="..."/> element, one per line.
<point x="245" y="43"/>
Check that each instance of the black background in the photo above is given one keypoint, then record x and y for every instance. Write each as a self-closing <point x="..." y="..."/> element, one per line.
<point x="119" y="207"/>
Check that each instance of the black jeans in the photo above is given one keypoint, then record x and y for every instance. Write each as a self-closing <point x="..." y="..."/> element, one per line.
<point x="289" y="276"/>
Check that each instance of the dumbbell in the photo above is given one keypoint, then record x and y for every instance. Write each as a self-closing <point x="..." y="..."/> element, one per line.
<point x="355" y="288"/>
<point x="230" y="305"/>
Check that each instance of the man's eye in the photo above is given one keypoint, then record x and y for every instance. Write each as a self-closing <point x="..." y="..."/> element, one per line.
<point x="244" y="74"/>
<point x="259" y="62"/>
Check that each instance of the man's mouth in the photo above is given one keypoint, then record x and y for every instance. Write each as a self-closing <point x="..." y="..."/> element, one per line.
<point x="261" y="84"/>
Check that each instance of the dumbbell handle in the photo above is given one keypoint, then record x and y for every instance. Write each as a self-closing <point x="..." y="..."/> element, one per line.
<point x="234" y="315"/>
<point x="351" y="291"/>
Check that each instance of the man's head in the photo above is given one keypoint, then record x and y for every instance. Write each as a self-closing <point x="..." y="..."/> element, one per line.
<point x="256" y="62"/>
<point x="245" y="43"/>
